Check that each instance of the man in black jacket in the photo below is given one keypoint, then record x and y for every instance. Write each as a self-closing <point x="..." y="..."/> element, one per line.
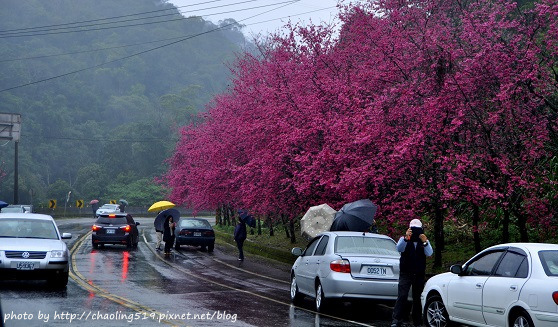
<point x="414" y="248"/>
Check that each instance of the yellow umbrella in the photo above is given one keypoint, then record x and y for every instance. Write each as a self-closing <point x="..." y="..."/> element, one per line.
<point x="161" y="205"/>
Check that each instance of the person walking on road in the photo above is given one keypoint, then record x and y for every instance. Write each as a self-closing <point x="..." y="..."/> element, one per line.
<point x="168" y="234"/>
<point x="239" y="237"/>
<point x="414" y="248"/>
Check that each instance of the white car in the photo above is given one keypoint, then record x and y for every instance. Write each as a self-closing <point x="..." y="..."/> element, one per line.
<point x="346" y="266"/>
<point x="513" y="284"/>
<point x="107" y="208"/>
<point x="31" y="247"/>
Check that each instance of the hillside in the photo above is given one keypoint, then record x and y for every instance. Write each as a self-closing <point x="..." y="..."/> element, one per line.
<point x="103" y="87"/>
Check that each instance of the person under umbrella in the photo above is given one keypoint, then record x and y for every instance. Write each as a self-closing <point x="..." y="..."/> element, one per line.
<point x="168" y="234"/>
<point x="240" y="237"/>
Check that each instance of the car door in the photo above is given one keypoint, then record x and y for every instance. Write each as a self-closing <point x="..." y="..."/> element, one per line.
<point x="306" y="271"/>
<point x="466" y="290"/>
<point x="503" y="287"/>
<point x="319" y="259"/>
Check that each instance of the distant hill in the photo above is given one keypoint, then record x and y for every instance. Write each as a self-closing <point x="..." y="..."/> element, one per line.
<point x="142" y="71"/>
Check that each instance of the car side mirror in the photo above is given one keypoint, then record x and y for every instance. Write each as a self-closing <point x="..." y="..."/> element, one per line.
<point x="296" y="252"/>
<point x="456" y="269"/>
<point x="137" y="223"/>
<point x="66" y="236"/>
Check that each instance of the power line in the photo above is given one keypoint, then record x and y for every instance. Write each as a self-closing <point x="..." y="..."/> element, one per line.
<point x="108" y="18"/>
<point x="141" y="52"/>
<point x="146" y="140"/>
<point x="149" y="42"/>
<point x="137" y="24"/>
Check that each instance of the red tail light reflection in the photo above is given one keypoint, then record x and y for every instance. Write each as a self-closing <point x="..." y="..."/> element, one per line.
<point x="341" y="265"/>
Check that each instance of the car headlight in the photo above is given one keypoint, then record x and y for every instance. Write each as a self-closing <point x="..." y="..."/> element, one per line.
<point x="58" y="254"/>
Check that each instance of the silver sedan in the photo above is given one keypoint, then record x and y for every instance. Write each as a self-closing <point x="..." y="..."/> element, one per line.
<point x="31" y="247"/>
<point x="346" y="266"/>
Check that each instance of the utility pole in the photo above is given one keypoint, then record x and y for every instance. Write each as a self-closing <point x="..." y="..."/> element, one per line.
<point x="10" y="129"/>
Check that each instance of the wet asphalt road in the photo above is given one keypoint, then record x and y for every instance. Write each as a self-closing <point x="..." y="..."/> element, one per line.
<point x="116" y="286"/>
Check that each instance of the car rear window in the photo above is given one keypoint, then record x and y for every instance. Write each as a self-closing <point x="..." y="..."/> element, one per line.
<point x="114" y="221"/>
<point x="186" y="223"/>
<point x="549" y="260"/>
<point x="365" y="245"/>
<point x="28" y="228"/>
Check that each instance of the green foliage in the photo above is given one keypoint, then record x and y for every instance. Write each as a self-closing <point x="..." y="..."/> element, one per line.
<point x="90" y="128"/>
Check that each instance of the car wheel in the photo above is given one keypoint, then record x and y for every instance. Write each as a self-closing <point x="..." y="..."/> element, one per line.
<point x="95" y="245"/>
<point x="177" y="246"/>
<point x="296" y="296"/>
<point x="321" y="302"/>
<point x="59" y="281"/>
<point x="522" y="319"/>
<point x="435" y="313"/>
<point x="210" y="248"/>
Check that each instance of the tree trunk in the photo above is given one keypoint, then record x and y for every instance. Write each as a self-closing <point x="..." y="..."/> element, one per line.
<point x="506" y="227"/>
<point x="218" y="218"/>
<point x="270" y="224"/>
<point x="476" y="236"/>
<point x="259" y="226"/>
<point x="438" y="236"/>
<point x="292" y="228"/>
<point x="283" y="220"/>
<point x="226" y="215"/>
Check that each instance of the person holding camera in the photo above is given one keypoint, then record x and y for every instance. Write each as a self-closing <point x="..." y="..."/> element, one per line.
<point x="414" y="248"/>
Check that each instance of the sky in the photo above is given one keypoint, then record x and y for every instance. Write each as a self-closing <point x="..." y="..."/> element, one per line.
<point x="270" y="10"/>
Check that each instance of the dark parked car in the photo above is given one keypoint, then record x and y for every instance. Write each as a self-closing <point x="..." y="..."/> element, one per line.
<point x="115" y="228"/>
<point x="195" y="232"/>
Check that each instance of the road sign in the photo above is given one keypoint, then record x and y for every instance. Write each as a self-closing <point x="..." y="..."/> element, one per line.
<point x="79" y="203"/>
<point x="52" y="204"/>
<point x="112" y="201"/>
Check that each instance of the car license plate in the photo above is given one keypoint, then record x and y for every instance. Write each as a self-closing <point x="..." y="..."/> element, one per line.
<point x="197" y="233"/>
<point x="377" y="271"/>
<point x="25" y="265"/>
<point x="110" y="231"/>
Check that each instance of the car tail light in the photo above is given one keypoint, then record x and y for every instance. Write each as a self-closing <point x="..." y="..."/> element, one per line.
<point x="95" y="228"/>
<point x="208" y="233"/>
<point x="127" y="228"/>
<point x="555" y="297"/>
<point x="341" y="265"/>
<point x="112" y="215"/>
<point x="185" y="232"/>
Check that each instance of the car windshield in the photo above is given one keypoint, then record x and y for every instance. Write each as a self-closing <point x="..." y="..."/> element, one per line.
<point x="12" y="209"/>
<point x="365" y="245"/>
<point x="109" y="206"/>
<point x="549" y="260"/>
<point x="114" y="221"/>
<point x="191" y="223"/>
<point x="28" y="228"/>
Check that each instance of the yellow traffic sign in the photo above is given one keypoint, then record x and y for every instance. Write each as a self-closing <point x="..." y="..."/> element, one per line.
<point x="79" y="203"/>
<point x="52" y="204"/>
<point x="112" y="201"/>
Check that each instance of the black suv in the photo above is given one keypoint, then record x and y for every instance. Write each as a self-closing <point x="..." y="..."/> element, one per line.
<point x="115" y="228"/>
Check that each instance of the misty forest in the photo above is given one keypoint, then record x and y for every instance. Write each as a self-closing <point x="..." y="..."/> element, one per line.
<point x="103" y="88"/>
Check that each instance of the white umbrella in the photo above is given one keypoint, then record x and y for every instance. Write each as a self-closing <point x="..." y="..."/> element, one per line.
<point x="316" y="220"/>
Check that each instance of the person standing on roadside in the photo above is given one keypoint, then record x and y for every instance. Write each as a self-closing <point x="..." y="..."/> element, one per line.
<point x="414" y="248"/>
<point x="168" y="234"/>
<point x="159" y="234"/>
<point x="239" y="237"/>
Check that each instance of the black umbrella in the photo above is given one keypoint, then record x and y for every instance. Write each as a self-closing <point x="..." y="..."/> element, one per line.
<point x="162" y="216"/>
<point x="355" y="216"/>
<point x="247" y="218"/>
